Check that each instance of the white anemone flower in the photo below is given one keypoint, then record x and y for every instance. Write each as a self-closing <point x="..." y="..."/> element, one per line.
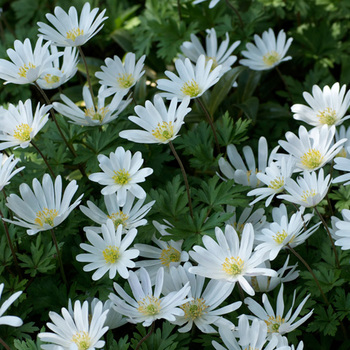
<point x="121" y="76"/>
<point x="121" y="173"/>
<point x="43" y="208"/>
<point x="56" y="74"/>
<point x="245" y="173"/>
<point x="7" y="164"/>
<point x="211" y="5"/>
<point x="79" y="330"/>
<point x="27" y="65"/>
<point x="342" y="231"/>
<point x="267" y="52"/>
<point x="308" y="190"/>
<point x="327" y="106"/>
<point x="129" y="216"/>
<point x="92" y="114"/>
<point x="192" y="81"/>
<point x="229" y="258"/>
<point x="277" y="322"/>
<point x="68" y="30"/>
<point x="312" y="150"/>
<point x="110" y="252"/>
<point x="342" y="164"/>
<point x="161" y="124"/>
<point x="13" y="321"/>
<point x="148" y="305"/>
<point x="19" y="125"/>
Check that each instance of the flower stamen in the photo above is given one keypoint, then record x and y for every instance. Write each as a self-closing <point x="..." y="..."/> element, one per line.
<point x="82" y="340"/>
<point x="233" y="266"/>
<point x="125" y="80"/>
<point x="194" y="308"/>
<point x="149" y="306"/>
<point x="46" y="216"/>
<point x="118" y="218"/>
<point x="274" y="323"/>
<point x="111" y="254"/>
<point x="327" y="116"/>
<point x="121" y="177"/>
<point x="22" y="132"/>
<point x="163" y="132"/>
<point x="312" y="159"/>
<point x="24" y="69"/>
<point x="74" y="33"/>
<point x="169" y="255"/>
<point x="271" y="58"/>
<point x="190" y="88"/>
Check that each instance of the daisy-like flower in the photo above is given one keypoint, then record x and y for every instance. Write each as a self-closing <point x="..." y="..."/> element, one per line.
<point x="12" y="321"/>
<point x="110" y="252"/>
<point x="148" y="305"/>
<point x="68" y="30"/>
<point x="7" y="164"/>
<point x="308" y="190"/>
<point x="192" y="81"/>
<point x="230" y="259"/>
<point x="161" y="125"/>
<point x="44" y="207"/>
<point x="202" y="310"/>
<point x="342" y="231"/>
<point x="246" y="174"/>
<point x="19" y="126"/>
<point x="312" y="150"/>
<point x="92" y="115"/>
<point x="211" y="5"/>
<point x="220" y="56"/>
<point x="119" y="76"/>
<point x="76" y="331"/>
<point x="277" y="322"/>
<point x="267" y="52"/>
<point x="27" y="65"/>
<point x="327" y="106"/>
<point x="121" y="173"/>
<point x="284" y="231"/>
<point x="343" y="164"/>
<point x="274" y="177"/>
<point x="129" y="216"/>
<point x="56" y="75"/>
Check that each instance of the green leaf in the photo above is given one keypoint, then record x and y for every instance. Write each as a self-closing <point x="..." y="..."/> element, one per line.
<point x="325" y="321"/>
<point x="342" y="198"/>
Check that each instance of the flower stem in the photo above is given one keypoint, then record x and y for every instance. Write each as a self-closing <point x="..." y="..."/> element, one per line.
<point x="43" y="157"/>
<point x="284" y="83"/>
<point x="330" y="238"/>
<point x="146" y="336"/>
<point x="59" y="256"/>
<point x="184" y="176"/>
<point x="179" y="10"/>
<point x="236" y="12"/>
<point x="4" y="344"/>
<point x="87" y="73"/>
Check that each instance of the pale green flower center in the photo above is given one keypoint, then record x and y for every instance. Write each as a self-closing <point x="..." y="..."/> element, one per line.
<point x="328" y="116"/>
<point x="125" y="80"/>
<point x="195" y="308"/>
<point x="24" y="69"/>
<point x="308" y="194"/>
<point x="271" y="58"/>
<point x="82" y="340"/>
<point x="22" y="132"/>
<point x="274" y="323"/>
<point x="51" y="79"/>
<point x="149" y="306"/>
<point x="74" y="33"/>
<point x="169" y="255"/>
<point x="190" y="88"/>
<point x="46" y="216"/>
<point x="312" y="159"/>
<point x="118" y="218"/>
<point x="233" y="266"/>
<point x="277" y="184"/>
<point x="121" y="177"/>
<point x="111" y="254"/>
<point x="163" y="132"/>
<point x="96" y="115"/>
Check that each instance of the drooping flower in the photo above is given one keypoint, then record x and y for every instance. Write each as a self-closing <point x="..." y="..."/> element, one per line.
<point x="267" y="52"/>
<point x="68" y="30"/>
<point x="7" y="164"/>
<point x="13" y="321"/>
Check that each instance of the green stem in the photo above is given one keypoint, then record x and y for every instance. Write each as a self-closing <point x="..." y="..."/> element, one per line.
<point x="284" y="83"/>
<point x="146" y="336"/>
<point x="236" y="12"/>
<point x="179" y="10"/>
<point x="59" y="256"/>
<point x="4" y="344"/>
<point x="43" y="157"/>
<point x="87" y="73"/>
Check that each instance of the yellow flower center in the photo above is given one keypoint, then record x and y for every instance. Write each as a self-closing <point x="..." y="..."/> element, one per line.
<point x="280" y="237"/>
<point x="24" y="69"/>
<point x="271" y="58"/>
<point x="277" y="184"/>
<point x="312" y="159"/>
<point x="327" y="116"/>
<point x="307" y="194"/>
<point x="195" y="308"/>
<point x="118" y="218"/>
<point x="233" y="266"/>
<point x="274" y="323"/>
<point x="169" y="255"/>
<point x="125" y="80"/>
<point x="74" y="33"/>
<point x="46" y="216"/>
<point x="51" y="79"/>
<point x="96" y="115"/>
<point x="249" y="174"/>
<point x="190" y="88"/>
<point x="111" y="254"/>
<point x="22" y="132"/>
<point x="149" y="306"/>
<point x="163" y="132"/>
<point x="121" y="177"/>
<point x="82" y="340"/>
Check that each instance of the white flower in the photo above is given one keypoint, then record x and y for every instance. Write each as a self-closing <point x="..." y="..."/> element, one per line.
<point x="12" y="321"/>
<point x="148" y="305"/>
<point x="68" y="30"/>
<point x="192" y="81"/>
<point x="119" y="76"/>
<point x="121" y="174"/>
<point x="220" y="56"/>
<point x="342" y="164"/>
<point x="308" y="190"/>
<point x="238" y="170"/>
<point x="161" y="125"/>
<point x="55" y="75"/>
<point x="7" y="164"/>
<point x="27" y="65"/>
<point x="43" y="208"/>
<point x="342" y="231"/>
<point x="211" y="5"/>
<point x="19" y="126"/>
<point x="76" y="331"/>
<point x="327" y="106"/>
<point x="267" y="52"/>
<point x="342" y="133"/>
<point x="229" y="259"/>
<point x="277" y="322"/>
<point x="128" y="216"/>
<point x="312" y="150"/>
<point x="110" y="252"/>
<point x="92" y="115"/>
